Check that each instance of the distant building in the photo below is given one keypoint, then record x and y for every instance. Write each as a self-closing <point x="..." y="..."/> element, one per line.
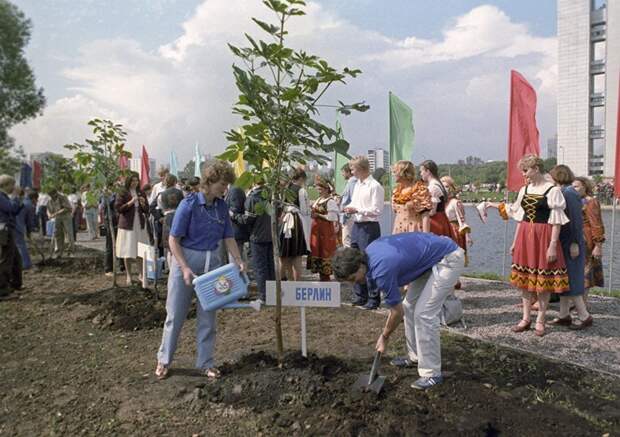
<point x="552" y="147"/>
<point x="378" y="158"/>
<point x="588" y="69"/>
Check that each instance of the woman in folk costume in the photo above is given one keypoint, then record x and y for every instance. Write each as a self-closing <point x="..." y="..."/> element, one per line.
<point x="456" y="216"/>
<point x="593" y="233"/>
<point x="538" y="265"/>
<point x="439" y="198"/>
<point x="293" y="241"/>
<point x="324" y="233"/>
<point x="411" y="200"/>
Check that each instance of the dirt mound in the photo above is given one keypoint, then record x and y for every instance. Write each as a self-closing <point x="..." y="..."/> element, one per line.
<point x="313" y="396"/>
<point x="124" y="309"/>
<point x="73" y="265"/>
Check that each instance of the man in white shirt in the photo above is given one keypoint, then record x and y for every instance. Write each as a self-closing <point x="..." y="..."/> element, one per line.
<point x="366" y="207"/>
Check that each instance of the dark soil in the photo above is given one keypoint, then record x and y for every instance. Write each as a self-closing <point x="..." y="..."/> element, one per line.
<point x="78" y="359"/>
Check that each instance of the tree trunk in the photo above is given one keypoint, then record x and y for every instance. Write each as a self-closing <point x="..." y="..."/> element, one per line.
<point x="112" y="237"/>
<point x="276" y="255"/>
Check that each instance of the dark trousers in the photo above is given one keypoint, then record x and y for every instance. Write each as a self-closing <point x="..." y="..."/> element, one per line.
<point x="10" y="266"/>
<point x="263" y="266"/>
<point x="43" y="219"/>
<point x="362" y="234"/>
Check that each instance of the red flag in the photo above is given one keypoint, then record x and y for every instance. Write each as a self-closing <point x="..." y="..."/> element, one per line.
<point x="144" y="168"/>
<point x="522" y="130"/>
<point x="123" y="162"/>
<point x="36" y="175"/>
<point x="617" y="169"/>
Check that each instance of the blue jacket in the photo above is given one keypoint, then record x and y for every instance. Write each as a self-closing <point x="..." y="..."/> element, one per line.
<point x="25" y="219"/>
<point x="9" y="208"/>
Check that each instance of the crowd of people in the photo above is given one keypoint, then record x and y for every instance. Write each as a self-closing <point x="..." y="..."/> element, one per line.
<point x="202" y="223"/>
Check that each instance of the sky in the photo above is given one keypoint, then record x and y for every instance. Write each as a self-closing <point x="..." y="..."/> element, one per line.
<point x="162" y="68"/>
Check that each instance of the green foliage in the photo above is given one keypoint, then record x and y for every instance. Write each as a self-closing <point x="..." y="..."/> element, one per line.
<point x="96" y="161"/>
<point x="10" y="157"/>
<point x="19" y="97"/>
<point x="474" y="170"/>
<point x="280" y="89"/>
<point x="58" y="172"/>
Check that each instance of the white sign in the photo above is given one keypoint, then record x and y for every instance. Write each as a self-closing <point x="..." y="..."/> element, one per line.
<point x="305" y="294"/>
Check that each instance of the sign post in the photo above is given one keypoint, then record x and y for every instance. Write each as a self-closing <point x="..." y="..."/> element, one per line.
<point x="304" y="294"/>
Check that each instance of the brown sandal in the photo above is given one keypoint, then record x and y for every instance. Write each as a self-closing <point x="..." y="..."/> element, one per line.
<point x="161" y="371"/>
<point x="540" y="332"/>
<point x="522" y="326"/>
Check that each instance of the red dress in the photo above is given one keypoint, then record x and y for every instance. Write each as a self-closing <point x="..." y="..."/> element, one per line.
<point x="530" y="269"/>
<point x="323" y="238"/>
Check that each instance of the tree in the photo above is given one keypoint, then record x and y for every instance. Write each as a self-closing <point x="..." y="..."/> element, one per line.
<point x="280" y="89"/>
<point x="20" y="99"/>
<point x="97" y="163"/>
<point x="58" y="172"/>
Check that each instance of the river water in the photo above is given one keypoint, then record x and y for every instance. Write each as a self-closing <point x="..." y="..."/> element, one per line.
<point x="485" y="256"/>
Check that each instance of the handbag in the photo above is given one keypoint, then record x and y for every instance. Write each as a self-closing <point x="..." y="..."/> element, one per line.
<point x="451" y="310"/>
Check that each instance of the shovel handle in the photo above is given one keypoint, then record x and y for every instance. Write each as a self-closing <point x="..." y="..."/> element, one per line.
<point x="375" y="367"/>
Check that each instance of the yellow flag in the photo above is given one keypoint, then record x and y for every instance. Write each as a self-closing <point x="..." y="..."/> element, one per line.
<point x="239" y="165"/>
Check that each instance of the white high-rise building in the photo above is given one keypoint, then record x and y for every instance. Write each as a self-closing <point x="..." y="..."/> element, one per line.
<point x="588" y="72"/>
<point x="378" y="158"/>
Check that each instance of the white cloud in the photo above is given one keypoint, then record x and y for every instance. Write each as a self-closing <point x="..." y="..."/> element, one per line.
<point x="183" y="92"/>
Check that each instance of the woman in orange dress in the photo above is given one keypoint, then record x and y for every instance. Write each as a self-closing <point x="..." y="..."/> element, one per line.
<point x="455" y="211"/>
<point x="439" y="198"/>
<point x="411" y="200"/>
<point x="593" y="232"/>
<point x="324" y="230"/>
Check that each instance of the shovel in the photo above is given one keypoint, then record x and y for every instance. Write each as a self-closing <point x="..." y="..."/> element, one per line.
<point x="372" y="382"/>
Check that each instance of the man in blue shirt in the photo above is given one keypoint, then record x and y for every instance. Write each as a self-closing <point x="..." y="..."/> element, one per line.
<point x="429" y="266"/>
<point x="347" y="195"/>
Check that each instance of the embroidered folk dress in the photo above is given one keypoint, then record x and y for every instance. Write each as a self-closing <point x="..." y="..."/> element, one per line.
<point x="537" y="210"/>
<point x="593" y="233"/>
<point x="323" y="236"/>
<point x="456" y="216"/>
<point x="408" y="218"/>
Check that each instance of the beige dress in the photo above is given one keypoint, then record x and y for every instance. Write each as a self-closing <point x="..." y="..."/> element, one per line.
<point x="127" y="240"/>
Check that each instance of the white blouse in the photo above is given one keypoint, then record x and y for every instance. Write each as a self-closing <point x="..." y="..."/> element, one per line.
<point x="434" y="187"/>
<point x="454" y="212"/>
<point x="332" y="209"/>
<point x="555" y="200"/>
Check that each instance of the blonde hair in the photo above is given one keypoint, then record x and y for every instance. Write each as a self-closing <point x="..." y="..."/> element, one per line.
<point x="450" y="185"/>
<point x="360" y="162"/>
<point x="6" y="182"/>
<point x="404" y="169"/>
<point x="217" y="171"/>
<point x="529" y="161"/>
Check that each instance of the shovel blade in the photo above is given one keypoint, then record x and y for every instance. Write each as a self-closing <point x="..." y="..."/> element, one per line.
<point x="362" y="385"/>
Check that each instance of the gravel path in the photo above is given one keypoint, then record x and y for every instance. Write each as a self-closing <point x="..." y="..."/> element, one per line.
<point x="491" y="308"/>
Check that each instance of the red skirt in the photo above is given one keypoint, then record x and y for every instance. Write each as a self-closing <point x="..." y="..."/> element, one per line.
<point x="323" y="244"/>
<point x="530" y="269"/>
<point x="441" y="226"/>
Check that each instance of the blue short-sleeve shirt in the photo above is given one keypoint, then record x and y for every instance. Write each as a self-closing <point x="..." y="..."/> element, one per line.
<point x="397" y="260"/>
<point x="199" y="225"/>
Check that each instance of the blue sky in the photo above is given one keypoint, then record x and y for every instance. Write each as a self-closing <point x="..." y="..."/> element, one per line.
<point x="448" y="59"/>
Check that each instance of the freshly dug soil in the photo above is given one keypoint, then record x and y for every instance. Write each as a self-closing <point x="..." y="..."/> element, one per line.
<point x="63" y="374"/>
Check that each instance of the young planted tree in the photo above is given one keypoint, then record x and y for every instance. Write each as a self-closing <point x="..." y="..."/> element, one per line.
<point x="98" y="163"/>
<point x="280" y="90"/>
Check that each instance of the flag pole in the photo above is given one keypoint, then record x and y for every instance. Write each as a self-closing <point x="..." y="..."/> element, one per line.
<point x="611" y="253"/>
<point x="505" y="238"/>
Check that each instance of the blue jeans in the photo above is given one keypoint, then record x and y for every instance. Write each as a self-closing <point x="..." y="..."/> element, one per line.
<point x="177" y="306"/>
<point x="362" y="234"/>
<point x="262" y="263"/>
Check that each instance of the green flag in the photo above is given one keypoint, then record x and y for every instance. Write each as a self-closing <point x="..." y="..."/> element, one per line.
<point x="401" y="130"/>
<point x="339" y="162"/>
